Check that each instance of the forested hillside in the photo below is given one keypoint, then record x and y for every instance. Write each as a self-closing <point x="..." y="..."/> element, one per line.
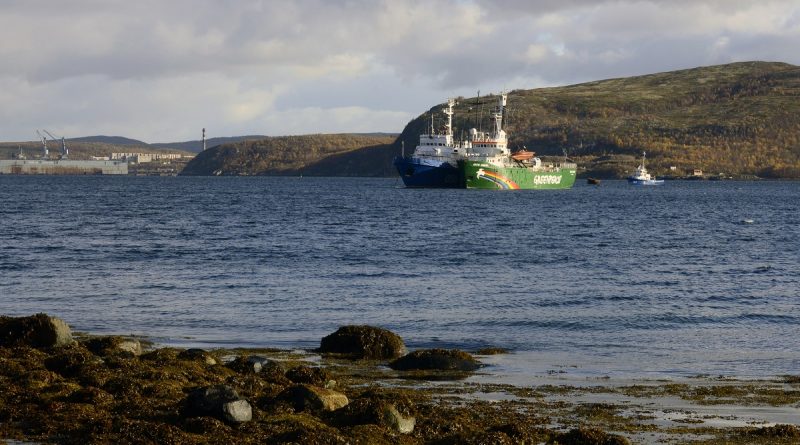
<point x="296" y="155"/>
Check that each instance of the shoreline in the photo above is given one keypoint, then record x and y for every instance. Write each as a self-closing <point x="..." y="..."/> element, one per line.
<point x="101" y="389"/>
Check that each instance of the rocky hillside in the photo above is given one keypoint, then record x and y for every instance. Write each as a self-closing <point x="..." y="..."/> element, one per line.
<point x="739" y="119"/>
<point x="313" y="155"/>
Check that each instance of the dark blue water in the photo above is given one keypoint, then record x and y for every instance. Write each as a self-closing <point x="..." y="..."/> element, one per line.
<point x="687" y="278"/>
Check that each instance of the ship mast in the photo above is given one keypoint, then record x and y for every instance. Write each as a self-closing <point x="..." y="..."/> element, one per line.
<point x="498" y="115"/>
<point x="449" y="112"/>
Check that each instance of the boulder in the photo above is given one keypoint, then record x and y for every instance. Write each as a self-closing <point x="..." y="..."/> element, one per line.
<point x="363" y="342"/>
<point x="307" y="397"/>
<point x="38" y="331"/>
<point x="400" y="423"/>
<point x="220" y="401"/>
<point x="197" y="354"/>
<point x="436" y="359"/>
<point x="364" y="411"/>
<point x="237" y="411"/>
<point x="105" y="346"/>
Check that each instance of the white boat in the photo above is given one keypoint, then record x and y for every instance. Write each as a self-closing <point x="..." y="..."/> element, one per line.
<point x="643" y="177"/>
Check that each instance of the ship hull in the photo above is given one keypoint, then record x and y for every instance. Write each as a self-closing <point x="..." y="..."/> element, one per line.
<point x="416" y="173"/>
<point x="637" y="181"/>
<point x="482" y="175"/>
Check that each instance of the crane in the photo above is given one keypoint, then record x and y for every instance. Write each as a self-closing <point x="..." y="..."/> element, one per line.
<point x="64" y="149"/>
<point x="44" y="143"/>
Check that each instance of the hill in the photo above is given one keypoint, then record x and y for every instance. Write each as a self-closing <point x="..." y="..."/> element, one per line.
<point x="108" y="140"/>
<point x="317" y="155"/>
<point x="197" y="145"/>
<point x="738" y="119"/>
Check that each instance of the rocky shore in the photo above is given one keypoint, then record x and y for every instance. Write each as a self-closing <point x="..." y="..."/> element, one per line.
<point x="361" y="386"/>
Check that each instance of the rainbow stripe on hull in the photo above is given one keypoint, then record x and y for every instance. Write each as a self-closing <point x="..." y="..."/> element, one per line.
<point x="483" y="175"/>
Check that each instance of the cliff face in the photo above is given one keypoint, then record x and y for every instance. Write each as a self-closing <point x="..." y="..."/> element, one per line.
<point x="738" y="119"/>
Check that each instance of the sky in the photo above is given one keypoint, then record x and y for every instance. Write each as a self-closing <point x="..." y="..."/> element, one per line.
<point x="161" y="70"/>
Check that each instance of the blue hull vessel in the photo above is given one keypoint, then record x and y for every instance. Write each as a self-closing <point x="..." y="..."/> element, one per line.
<point x="643" y="177"/>
<point x="425" y="173"/>
<point x="636" y="181"/>
<point x="434" y="163"/>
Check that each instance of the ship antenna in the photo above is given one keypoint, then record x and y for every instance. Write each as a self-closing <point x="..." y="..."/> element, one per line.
<point x="449" y="113"/>
<point x="480" y="114"/>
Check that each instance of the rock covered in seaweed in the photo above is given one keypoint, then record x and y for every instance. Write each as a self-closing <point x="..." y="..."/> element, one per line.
<point x="365" y="342"/>
<point x="378" y="412"/>
<point x="436" y="359"/>
<point x="308" y="397"/>
<point x="311" y="376"/>
<point x="590" y="436"/>
<point x="197" y="354"/>
<point x="255" y="364"/>
<point x="104" y="346"/>
<point x="38" y="331"/>
<point x="778" y="431"/>
<point x="221" y="401"/>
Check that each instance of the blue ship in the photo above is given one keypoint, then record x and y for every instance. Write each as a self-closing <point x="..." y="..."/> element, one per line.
<point x="434" y="163"/>
<point x="426" y="172"/>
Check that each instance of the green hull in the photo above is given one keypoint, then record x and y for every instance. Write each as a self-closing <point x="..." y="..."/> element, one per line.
<point x="482" y="175"/>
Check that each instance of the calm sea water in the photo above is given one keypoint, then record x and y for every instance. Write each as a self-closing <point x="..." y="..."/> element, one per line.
<point x="683" y="279"/>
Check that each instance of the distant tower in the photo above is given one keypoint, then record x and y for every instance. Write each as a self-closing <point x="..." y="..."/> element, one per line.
<point x="204" y="139"/>
<point x="64" y="149"/>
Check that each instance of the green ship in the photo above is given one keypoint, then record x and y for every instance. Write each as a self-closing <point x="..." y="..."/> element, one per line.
<point x="489" y="164"/>
<point x="521" y="175"/>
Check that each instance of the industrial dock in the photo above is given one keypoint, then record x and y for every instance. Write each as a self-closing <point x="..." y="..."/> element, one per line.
<point x="62" y="167"/>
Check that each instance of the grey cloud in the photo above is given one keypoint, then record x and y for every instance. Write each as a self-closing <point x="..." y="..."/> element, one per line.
<point x="393" y="56"/>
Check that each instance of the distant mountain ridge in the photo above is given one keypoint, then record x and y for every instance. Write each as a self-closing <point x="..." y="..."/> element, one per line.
<point x="192" y="146"/>
<point x="110" y="140"/>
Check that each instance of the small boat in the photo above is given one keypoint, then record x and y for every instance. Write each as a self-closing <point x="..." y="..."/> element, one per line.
<point x="523" y="155"/>
<point x="643" y="177"/>
<point x="593" y="181"/>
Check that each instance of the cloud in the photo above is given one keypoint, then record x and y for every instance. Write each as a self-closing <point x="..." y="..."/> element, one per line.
<point x="156" y="70"/>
